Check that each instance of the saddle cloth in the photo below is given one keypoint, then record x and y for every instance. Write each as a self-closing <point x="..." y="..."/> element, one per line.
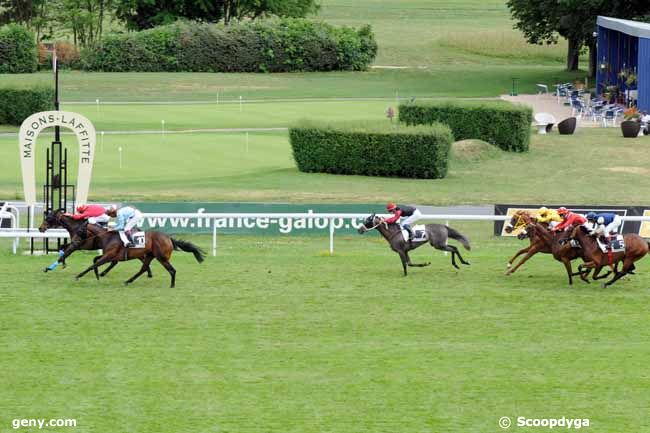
<point x="419" y="233"/>
<point x="617" y="244"/>
<point x="139" y="239"/>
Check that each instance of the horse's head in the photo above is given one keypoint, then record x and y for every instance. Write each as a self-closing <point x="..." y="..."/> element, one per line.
<point x="519" y="220"/>
<point x="51" y="220"/>
<point x="369" y="223"/>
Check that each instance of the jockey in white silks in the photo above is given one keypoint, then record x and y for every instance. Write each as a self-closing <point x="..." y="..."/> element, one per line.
<point x="127" y="219"/>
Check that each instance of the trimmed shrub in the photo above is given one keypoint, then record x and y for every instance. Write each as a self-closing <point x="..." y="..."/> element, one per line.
<point x="18" y="52"/>
<point x="372" y="149"/>
<point x="18" y="103"/>
<point x="500" y="123"/>
<point x="274" y="45"/>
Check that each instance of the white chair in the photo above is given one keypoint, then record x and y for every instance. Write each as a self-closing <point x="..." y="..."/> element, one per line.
<point x="542" y="88"/>
<point x="544" y="122"/>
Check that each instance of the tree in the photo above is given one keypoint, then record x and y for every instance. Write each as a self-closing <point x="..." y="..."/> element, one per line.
<point x="544" y="21"/>
<point x="30" y="13"/>
<point x="142" y="14"/>
<point x="83" y="18"/>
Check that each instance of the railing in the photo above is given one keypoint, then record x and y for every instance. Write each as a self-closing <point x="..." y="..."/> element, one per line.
<point x="18" y="233"/>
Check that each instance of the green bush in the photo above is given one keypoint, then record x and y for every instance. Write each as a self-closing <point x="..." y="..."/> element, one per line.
<point x="274" y="45"/>
<point x="18" y="53"/>
<point x="500" y="123"/>
<point x="24" y="103"/>
<point x="372" y="149"/>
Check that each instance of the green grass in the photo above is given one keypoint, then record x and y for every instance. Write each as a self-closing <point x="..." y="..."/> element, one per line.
<point x="274" y="335"/>
<point x="593" y="166"/>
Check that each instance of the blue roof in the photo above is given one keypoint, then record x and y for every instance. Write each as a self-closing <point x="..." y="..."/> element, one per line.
<point x="632" y="28"/>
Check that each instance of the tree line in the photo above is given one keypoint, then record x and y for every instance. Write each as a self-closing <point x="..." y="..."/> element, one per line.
<point x="85" y="20"/>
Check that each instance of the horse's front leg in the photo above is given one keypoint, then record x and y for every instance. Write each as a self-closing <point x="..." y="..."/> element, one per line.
<point x="404" y="258"/>
<point x="103" y="259"/>
<point x="520" y="252"/>
<point x="531" y="252"/>
<point x="419" y="265"/>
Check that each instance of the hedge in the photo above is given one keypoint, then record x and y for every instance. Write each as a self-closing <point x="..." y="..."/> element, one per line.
<point x="274" y="45"/>
<point x="18" y="52"/>
<point x="500" y="123"/>
<point x="372" y="149"/>
<point x="24" y="103"/>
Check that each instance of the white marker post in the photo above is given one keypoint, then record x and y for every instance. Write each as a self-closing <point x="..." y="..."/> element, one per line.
<point x="102" y="142"/>
<point x="162" y="123"/>
<point x="119" y="150"/>
<point x="240" y="104"/>
<point x="217" y="98"/>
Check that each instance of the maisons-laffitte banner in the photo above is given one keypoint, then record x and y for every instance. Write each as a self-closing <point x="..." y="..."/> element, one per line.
<point x="28" y="135"/>
<point x="641" y="228"/>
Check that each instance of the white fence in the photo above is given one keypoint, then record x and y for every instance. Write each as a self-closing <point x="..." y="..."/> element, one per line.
<point x="212" y="219"/>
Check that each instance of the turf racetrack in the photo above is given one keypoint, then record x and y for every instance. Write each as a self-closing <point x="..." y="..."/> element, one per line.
<point x="275" y="335"/>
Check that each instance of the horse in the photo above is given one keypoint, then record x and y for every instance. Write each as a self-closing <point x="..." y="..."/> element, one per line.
<point x="522" y="219"/>
<point x="157" y="246"/>
<point x="78" y="238"/>
<point x="437" y="236"/>
<point x="635" y="248"/>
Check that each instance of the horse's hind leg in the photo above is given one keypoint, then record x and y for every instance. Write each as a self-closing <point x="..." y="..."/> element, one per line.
<point x="170" y="269"/>
<point x="451" y="249"/>
<point x="145" y="266"/>
<point x="95" y="265"/>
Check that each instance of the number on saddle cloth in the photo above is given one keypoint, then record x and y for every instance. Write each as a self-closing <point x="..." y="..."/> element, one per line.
<point x="139" y="239"/>
<point x="419" y="233"/>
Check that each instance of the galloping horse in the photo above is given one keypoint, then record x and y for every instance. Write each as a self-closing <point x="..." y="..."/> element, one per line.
<point x="78" y="238"/>
<point x="437" y="236"/>
<point x="635" y="248"/>
<point x="520" y="220"/>
<point x="158" y="246"/>
<point x="543" y="241"/>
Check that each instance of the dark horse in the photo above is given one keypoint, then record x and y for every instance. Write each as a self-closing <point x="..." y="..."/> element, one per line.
<point x="635" y="248"/>
<point x="437" y="236"/>
<point x="158" y="246"/>
<point x="79" y="238"/>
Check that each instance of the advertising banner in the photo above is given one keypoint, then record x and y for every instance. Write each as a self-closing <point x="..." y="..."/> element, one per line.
<point x="255" y="226"/>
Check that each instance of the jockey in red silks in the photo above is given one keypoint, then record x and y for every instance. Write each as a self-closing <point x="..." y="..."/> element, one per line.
<point x="410" y="214"/>
<point x="570" y="219"/>
<point x="95" y="214"/>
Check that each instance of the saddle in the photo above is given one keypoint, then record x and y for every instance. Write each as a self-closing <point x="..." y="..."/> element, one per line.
<point x="419" y="233"/>
<point x="138" y="239"/>
<point x="616" y="245"/>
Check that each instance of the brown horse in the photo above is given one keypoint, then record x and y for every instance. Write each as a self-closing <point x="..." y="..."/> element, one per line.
<point x="635" y="248"/>
<point x="520" y="220"/>
<point x="158" y="246"/>
<point x="437" y="236"/>
<point x="79" y="239"/>
<point x="542" y="241"/>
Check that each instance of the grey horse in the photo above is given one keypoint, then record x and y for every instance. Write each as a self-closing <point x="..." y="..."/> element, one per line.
<point x="437" y="236"/>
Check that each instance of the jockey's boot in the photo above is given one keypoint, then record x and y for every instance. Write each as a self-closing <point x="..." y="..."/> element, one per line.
<point x="605" y="240"/>
<point x="126" y="239"/>
<point x="410" y="232"/>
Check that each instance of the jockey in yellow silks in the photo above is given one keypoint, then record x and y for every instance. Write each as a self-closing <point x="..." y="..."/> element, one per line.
<point x="548" y="216"/>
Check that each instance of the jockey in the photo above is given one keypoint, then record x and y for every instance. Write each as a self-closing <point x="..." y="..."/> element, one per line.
<point x="548" y="216"/>
<point x="94" y="213"/>
<point x="604" y="224"/>
<point x="410" y="215"/>
<point x="127" y="218"/>
<point x="569" y="219"/>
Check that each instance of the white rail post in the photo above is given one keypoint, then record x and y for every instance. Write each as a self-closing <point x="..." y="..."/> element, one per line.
<point x="331" y="223"/>
<point x="214" y="238"/>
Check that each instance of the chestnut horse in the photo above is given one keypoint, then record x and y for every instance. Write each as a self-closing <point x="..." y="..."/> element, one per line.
<point x="158" y="246"/>
<point x="520" y="220"/>
<point x="635" y="248"/>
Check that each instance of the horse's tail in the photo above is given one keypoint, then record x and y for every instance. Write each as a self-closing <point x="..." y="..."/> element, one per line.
<point x="459" y="237"/>
<point x="189" y="247"/>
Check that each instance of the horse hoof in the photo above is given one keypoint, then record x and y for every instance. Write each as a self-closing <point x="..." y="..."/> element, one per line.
<point x="509" y="265"/>
<point x="46" y="270"/>
<point x="126" y="283"/>
<point x="603" y="285"/>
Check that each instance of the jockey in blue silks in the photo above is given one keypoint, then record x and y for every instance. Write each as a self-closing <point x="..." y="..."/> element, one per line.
<point x="604" y="224"/>
<point x="127" y="218"/>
